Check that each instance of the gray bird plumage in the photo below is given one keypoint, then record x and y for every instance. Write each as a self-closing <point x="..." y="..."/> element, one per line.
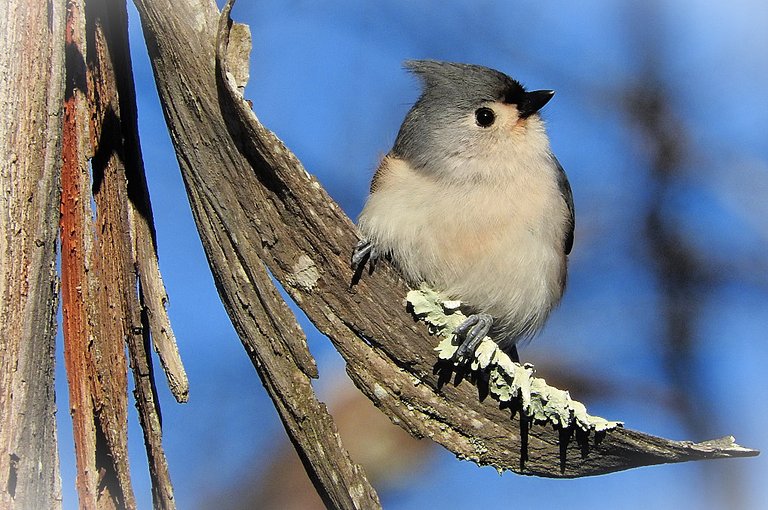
<point x="471" y="200"/>
<point x="451" y="91"/>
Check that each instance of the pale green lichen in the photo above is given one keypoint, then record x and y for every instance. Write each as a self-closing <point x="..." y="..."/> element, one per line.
<point x="507" y="380"/>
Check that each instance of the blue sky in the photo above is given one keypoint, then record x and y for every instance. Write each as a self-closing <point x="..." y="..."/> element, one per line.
<point x="327" y="78"/>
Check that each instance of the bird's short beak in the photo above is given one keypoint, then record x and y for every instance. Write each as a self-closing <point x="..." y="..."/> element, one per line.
<point x="533" y="102"/>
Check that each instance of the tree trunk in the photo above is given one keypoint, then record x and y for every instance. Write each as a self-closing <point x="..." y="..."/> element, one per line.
<point x="31" y="95"/>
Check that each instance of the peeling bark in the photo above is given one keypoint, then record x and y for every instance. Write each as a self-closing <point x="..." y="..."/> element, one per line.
<point x="92" y="306"/>
<point x="107" y="239"/>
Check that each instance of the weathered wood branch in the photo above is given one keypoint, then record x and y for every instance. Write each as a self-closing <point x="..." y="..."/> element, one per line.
<point x="148" y="320"/>
<point x="107" y="241"/>
<point x="256" y="206"/>
<point x="31" y="95"/>
<point x="266" y="326"/>
<point x="91" y="273"/>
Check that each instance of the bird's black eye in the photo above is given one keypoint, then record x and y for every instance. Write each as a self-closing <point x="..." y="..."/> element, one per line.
<point x="484" y="117"/>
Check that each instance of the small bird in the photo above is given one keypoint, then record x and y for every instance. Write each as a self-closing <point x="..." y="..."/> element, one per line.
<point x="472" y="201"/>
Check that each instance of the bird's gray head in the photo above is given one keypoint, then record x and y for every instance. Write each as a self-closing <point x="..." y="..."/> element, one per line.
<point x="469" y="113"/>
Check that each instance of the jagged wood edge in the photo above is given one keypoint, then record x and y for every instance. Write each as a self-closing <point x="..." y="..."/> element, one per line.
<point x="311" y="231"/>
<point x="148" y="305"/>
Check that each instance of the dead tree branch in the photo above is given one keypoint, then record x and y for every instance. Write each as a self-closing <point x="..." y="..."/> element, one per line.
<point x="107" y="250"/>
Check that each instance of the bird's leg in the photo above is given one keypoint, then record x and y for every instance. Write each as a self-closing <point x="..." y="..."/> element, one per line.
<point x="364" y="252"/>
<point x="471" y="332"/>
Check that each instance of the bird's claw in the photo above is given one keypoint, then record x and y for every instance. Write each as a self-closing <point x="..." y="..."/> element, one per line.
<point x="471" y="332"/>
<point x="364" y="252"/>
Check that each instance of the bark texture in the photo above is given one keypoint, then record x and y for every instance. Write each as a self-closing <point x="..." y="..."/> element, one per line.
<point x="31" y="94"/>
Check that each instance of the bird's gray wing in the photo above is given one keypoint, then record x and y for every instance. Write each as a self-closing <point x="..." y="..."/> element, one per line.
<point x="565" y="190"/>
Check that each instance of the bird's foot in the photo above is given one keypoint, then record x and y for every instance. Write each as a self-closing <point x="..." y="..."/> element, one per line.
<point x="471" y="332"/>
<point x="364" y="253"/>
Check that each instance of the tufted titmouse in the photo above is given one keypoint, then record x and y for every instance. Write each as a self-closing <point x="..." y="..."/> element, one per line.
<point x="472" y="201"/>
